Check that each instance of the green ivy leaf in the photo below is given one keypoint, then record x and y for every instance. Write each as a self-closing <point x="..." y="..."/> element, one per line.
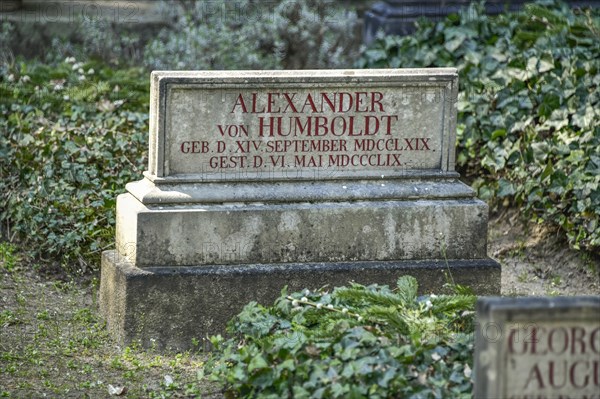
<point x="505" y="188"/>
<point x="407" y="288"/>
<point x="258" y="362"/>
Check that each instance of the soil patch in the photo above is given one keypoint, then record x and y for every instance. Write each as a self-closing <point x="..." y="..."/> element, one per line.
<point x="54" y="344"/>
<point x="537" y="261"/>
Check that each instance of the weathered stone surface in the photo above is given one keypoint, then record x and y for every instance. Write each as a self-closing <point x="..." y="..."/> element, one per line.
<point x="537" y="348"/>
<point x="290" y="124"/>
<point x="425" y="186"/>
<point x="261" y="179"/>
<point x="168" y="307"/>
<point x="239" y="233"/>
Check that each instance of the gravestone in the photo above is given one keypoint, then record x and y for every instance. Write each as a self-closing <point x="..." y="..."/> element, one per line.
<point x="538" y="348"/>
<point x="257" y="180"/>
<point x="399" y="17"/>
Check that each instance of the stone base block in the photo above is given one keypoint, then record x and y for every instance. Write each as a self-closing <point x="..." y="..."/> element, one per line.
<point x="168" y="307"/>
<point x="272" y="233"/>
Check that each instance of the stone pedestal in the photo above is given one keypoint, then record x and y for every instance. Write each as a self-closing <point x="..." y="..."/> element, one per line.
<point x="168" y="307"/>
<point x="237" y="203"/>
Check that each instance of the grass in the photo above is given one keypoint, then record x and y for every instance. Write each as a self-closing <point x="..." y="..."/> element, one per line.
<point x="53" y="343"/>
<point x="589" y="263"/>
<point x="523" y="276"/>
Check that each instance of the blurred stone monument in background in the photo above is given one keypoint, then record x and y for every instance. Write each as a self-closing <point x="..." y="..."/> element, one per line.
<point x="398" y="17"/>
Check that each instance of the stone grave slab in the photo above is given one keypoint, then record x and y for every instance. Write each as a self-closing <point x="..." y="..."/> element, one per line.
<point x="542" y="348"/>
<point x="261" y="179"/>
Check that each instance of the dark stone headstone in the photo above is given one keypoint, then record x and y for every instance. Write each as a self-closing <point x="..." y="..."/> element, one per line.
<point x="10" y="5"/>
<point x="397" y="17"/>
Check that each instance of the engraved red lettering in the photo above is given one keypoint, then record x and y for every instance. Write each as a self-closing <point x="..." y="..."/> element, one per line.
<point x="535" y="375"/>
<point x="552" y="340"/>
<point x="577" y="335"/>
<point x="240" y="102"/>
<point x="512" y="340"/>
<point x="552" y="374"/>
<point x="290" y="102"/>
<point x="573" y="373"/>
<point x="376" y="98"/>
